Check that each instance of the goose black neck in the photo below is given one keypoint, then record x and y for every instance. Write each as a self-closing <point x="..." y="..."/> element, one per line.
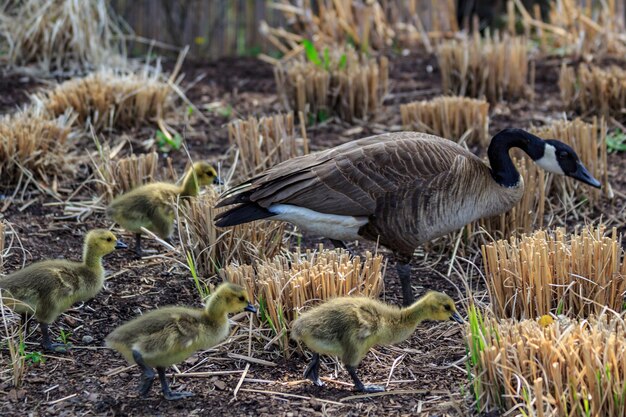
<point x="503" y="170"/>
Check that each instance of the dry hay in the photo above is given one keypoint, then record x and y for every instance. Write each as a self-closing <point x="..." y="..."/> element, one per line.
<point x="590" y="30"/>
<point x="263" y="143"/>
<point x="288" y="283"/>
<point x="3" y="228"/>
<point x="492" y="67"/>
<point x="594" y="90"/>
<point x="351" y="85"/>
<point x="61" y="35"/>
<point x="112" y="100"/>
<point x="567" y="368"/>
<point x="212" y="248"/>
<point x="449" y="117"/>
<point x="34" y="148"/>
<point x="553" y="272"/>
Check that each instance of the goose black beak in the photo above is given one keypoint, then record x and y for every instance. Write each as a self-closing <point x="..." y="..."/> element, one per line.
<point x="120" y="245"/>
<point x="218" y="181"/>
<point x="457" y="317"/>
<point x="581" y="174"/>
<point x="250" y="308"/>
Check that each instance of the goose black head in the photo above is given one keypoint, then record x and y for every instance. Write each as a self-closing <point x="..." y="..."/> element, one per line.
<point x="559" y="158"/>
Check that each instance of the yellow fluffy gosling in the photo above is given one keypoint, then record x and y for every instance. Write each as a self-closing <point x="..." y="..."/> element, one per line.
<point x="150" y="205"/>
<point x="347" y="327"/>
<point x="48" y="288"/>
<point x="170" y="335"/>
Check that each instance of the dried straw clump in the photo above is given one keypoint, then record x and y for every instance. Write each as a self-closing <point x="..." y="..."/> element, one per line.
<point x="493" y="67"/>
<point x="569" y="368"/>
<point x="593" y="90"/>
<point x="552" y="272"/>
<point x="34" y="148"/>
<point x="61" y="35"/>
<point x="449" y="117"/>
<point x="351" y="85"/>
<point x="213" y="248"/>
<point x="262" y="143"/>
<point x="589" y="141"/>
<point x="112" y="100"/>
<point x="2" y="244"/>
<point x="286" y="284"/>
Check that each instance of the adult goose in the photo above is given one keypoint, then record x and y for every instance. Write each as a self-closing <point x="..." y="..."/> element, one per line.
<point x="402" y="188"/>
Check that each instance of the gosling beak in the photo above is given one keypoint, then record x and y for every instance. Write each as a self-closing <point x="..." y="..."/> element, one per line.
<point x="120" y="245"/>
<point x="457" y="317"/>
<point x="218" y="181"/>
<point x="250" y="308"/>
<point x="581" y="174"/>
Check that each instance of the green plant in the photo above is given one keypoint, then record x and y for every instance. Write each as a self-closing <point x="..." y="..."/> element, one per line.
<point x="203" y="290"/>
<point x="64" y="337"/>
<point x="166" y="142"/>
<point x="33" y="358"/>
<point x="616" y="141"/>
<point x="313" y="56"/>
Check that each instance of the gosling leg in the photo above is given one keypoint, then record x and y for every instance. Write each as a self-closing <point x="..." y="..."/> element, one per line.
<point x="47" y="344"/>
<point x="138" y="251"/>
<point x="404" y="273"/>
<point x="147" y="374"/>
<point x="358" y="385"/>
<point x="312" y="370"/>
<point x="167" y="393"/>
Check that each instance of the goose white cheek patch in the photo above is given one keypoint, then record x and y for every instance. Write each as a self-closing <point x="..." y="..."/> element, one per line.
<point x="549" y="162"/>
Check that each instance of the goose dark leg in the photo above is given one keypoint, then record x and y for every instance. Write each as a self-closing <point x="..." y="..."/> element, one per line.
<point x="312" y="371"/>
<point x="403" y="267"/>
<point x="358" y="385"/>
<point x="147" y="374"/>
<point x="167" y="393"/>
<point x="138" y="251"/>
<point x="47" y="344"/>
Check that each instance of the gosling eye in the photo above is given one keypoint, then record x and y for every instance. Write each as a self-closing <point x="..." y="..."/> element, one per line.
<point x="109" y="239"/>
<point x="447" y="307"/>
<point x="242" y="298"/>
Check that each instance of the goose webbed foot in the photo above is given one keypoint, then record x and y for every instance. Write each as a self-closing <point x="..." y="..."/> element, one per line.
<point x="404" y="273"/>
<point x="147" y="376"/>
<point x="165" y="388"/>
<point x="312" y="370"/>
<point x="359" y="386"/>
<point x="47" y="344"/>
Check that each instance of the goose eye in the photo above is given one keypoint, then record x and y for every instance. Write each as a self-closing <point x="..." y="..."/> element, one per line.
<point x="563" y="154"/>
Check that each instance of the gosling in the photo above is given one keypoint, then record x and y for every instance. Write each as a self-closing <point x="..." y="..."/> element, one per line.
<point x="150" y="205"/>
<point x="347" y="327"/>
<point x="48" y="288"/>
<point x="170" y="335"/>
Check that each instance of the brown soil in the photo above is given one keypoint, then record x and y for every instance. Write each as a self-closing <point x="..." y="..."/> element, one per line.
<point x="427" y="372"/>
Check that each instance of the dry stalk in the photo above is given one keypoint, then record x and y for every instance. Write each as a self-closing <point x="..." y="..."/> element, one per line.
<point x="449" y="117"/>
<point x="288" y="283"/>
<point x="552" y="272"/>
<point x="352" y="86"/>
<point x="2" y="244"/>
<point x="62" y="35"/>
<point x="111" y="99"/>
<point x="492" y="67"/>
<point x="578" y="29"/>
<point x="213" y="248"/>
<point x="264" y="142"/>
<point x="34" y="148"/>
<point x="569" y="368"/>
<point x="593" y="90"/>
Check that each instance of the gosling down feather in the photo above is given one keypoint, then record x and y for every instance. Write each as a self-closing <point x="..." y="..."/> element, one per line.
<point x="347" y="327"/>
<point x="46" y="289"/>
<point x="170" y="335"/>
<point x="402" y="189"/>
<point x="150" y="205"/>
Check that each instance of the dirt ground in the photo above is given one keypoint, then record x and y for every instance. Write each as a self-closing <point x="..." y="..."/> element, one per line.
<point x="426" y="374"/>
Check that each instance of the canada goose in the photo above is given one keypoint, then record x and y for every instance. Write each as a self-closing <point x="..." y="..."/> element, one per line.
<point x="402" y="188"/>
<point x="150" y="205"/>
<point x="348" y="327"/>
<point x="170" y="335"/>
<point x="48" y="288"/>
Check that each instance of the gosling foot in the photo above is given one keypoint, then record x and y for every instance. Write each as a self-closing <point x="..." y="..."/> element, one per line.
<point x="312" y="370"/>
<point x="56" y="347"/>
<point x="176" y="395"/>
<point x="370" y="388"/>
<point x="147" y="378"/>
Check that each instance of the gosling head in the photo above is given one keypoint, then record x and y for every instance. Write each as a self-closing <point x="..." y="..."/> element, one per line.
<point x="560" y="158"/>
<point x="205" y="174"/>
<point x="440" y="307"/>
<point x="102" y="242"/>
<point x="234" y="298"/>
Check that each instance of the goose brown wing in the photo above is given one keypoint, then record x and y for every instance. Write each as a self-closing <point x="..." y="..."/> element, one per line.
<point x="352" y="178"/>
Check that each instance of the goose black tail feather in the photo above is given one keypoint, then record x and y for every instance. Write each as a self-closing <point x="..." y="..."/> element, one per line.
<point x="244" y="213"/>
